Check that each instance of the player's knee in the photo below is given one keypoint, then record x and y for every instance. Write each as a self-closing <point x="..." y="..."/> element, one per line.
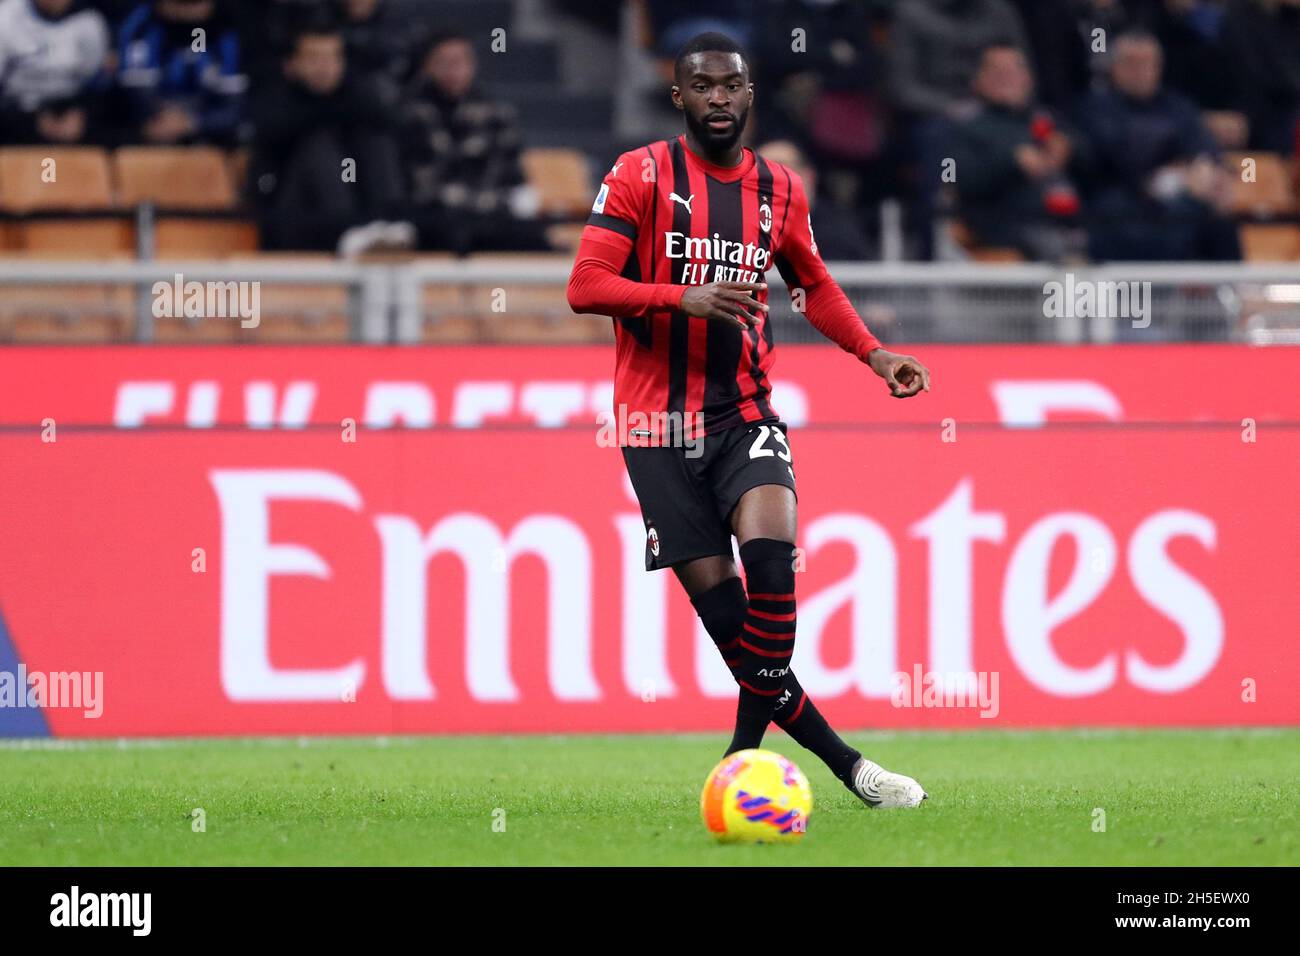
<point x="769" y="567"/>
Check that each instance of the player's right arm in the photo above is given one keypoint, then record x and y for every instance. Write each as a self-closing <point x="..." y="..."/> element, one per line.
<point x="597" y="286"/>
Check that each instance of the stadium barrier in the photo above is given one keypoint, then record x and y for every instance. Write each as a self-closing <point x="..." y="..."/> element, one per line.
<point x="358" y="540"/>
<point x="517" y="299"/>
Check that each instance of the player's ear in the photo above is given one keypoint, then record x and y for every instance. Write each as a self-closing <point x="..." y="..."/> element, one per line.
<point x="677" y="97"/>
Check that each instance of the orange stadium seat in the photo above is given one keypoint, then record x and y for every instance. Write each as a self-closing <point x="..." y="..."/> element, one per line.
<point x="288" y="313"/>
<point x="561" y="179"/>
<point x="175" y="178"/>
<point x="448" y="315"/>
<point x="565" y="235"/>
<point x="1270" y="242"/>
<point x="1269" y="195"/>
<point x="238" y="162"/>
<point x="178" y="237"/>
<point x="77" y="313"/>
<point x="96" y="238"/>
<point x="301" y="313"/>
<point x="49" y="179"/>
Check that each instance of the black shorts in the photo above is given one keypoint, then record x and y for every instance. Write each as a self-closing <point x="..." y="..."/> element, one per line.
<point x="687" y="495"/>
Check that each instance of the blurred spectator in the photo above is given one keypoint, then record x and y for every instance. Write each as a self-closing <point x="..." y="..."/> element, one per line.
<point x="52" y="66"/>
<point x="823" y="92"/>
<point x="378" y="40"/>
<point x="1200" y="64"/>
<point x="1058" y="50"/>
<point x="936" y="46"/>
<point x="179" y="74"/>
<point x="1013" y="164"/>
<point x="326" y="163"/>
<point x="840" y="237"/>
<point x="1156" y="175"/>
<point x="267" y="29"/>
<point x="1264" y="38"/>
<point x="462" y="154"/>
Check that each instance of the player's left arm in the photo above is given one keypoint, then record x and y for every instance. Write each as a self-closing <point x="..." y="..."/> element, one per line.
<point x="829" y="309"/>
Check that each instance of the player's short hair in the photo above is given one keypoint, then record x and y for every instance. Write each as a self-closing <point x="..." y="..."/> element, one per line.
<point x="708" y="43"/>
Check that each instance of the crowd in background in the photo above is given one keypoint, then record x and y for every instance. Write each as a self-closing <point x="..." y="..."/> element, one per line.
<point x="363" y="133"/>
<point x="1061" y="128"/>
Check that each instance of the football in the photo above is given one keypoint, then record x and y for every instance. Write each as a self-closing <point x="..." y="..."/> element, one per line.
<point x="756" y="796"/>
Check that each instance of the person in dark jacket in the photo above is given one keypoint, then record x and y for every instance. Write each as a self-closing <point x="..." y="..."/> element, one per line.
<point x="1013" y="164"/>
<point x="461" y="150"/>
<point x="1155" y="179"/>
<point x="1263" y="37"/>
<point x="326" y="165"/>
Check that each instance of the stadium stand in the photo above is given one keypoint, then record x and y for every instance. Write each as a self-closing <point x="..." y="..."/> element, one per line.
<point x="584" y="84"/>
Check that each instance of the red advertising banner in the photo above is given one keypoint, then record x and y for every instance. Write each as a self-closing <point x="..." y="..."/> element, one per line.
<point x="469" y="386"/>
<point x="491" y="579"/>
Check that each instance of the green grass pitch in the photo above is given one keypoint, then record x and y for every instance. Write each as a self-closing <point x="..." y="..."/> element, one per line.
<point x="1178" y="797"/>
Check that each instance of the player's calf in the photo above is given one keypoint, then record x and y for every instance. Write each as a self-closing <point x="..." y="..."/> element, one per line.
<point x="722" y="609"/>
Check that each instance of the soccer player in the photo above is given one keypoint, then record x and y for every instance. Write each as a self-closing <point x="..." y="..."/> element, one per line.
<point x="680" y="237"/>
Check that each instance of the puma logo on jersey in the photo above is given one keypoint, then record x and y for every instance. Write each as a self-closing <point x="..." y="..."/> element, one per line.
<point x="614" y="170"/>
<point x="685" y="202"/>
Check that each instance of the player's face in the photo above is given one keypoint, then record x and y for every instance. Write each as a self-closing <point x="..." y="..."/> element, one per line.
<point x="715" y="94"/>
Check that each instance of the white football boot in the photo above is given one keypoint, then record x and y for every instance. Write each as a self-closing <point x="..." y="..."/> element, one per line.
<point x="882" y="790"/>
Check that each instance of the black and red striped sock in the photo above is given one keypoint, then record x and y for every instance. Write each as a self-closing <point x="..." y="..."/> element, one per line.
<point x="799" y="717"/>
<point x="766" y="641"/>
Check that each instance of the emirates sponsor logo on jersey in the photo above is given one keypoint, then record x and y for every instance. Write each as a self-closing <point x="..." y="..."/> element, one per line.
<point x="714" y="259"/>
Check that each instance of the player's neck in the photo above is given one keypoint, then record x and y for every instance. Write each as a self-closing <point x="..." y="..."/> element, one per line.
<point x="728" y="158"/>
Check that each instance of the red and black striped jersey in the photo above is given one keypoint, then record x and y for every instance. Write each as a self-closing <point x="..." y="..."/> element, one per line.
<point x="677" y="220"/>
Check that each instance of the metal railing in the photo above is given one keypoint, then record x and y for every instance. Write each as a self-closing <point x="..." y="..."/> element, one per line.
<point x="902" y="302"/>
<point x="367" y="286"/>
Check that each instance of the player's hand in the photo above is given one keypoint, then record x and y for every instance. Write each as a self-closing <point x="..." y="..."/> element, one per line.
<point x="904" y="375"/>
<point x="735" y="303"/>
